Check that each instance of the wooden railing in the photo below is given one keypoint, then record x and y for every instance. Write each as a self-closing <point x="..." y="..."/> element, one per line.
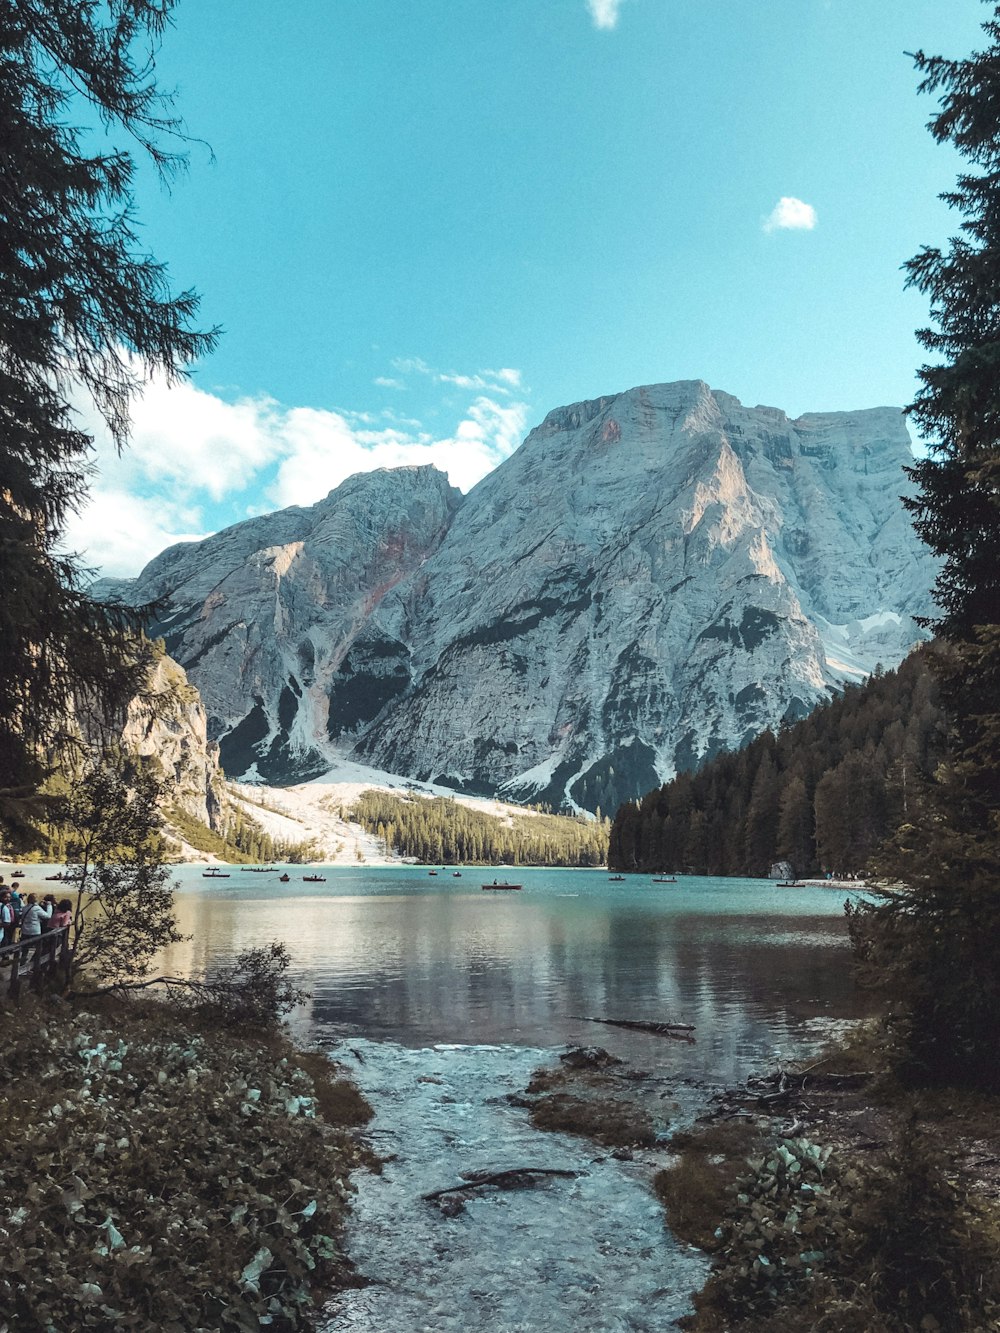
<point x="30" y="961"/>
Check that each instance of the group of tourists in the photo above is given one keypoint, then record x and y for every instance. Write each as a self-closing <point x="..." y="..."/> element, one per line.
<point x="25" y="914"/>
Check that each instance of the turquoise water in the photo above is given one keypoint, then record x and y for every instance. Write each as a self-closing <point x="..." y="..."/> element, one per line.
<point x="398" y="954"/>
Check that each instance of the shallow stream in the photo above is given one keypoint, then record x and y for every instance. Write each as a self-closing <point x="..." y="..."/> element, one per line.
<point x="584" y="1254"/>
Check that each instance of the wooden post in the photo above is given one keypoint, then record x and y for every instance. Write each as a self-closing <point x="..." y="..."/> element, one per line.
<point x="66" y="957"/>
<point x="42" y="952"/>
<point x="15" y="977"/>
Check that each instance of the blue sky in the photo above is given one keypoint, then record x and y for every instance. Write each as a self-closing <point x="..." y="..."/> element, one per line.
<point x="428" y="222"/>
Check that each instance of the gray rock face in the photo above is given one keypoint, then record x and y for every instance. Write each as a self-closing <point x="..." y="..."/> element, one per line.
<point x="263" y="614"/>
<point x="651" y="577"/>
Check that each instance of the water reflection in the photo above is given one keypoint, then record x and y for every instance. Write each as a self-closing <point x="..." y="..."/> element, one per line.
<point x="388" y="954"/>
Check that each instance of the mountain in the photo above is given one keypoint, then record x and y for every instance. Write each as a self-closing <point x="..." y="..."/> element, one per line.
<point x="264" y="614"/>
<point x="168" y="724"/>
<point x="654" y="576"/>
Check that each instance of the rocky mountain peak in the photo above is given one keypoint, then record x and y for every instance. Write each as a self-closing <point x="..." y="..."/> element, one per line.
<point x="654" y="575"/>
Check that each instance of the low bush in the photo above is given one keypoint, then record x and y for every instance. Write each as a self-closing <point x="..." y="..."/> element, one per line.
<point x="166" y="1176"/>
<point x="812" y="1244"/>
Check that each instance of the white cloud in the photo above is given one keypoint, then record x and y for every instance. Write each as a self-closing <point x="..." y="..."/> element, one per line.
<point x="189" y="441"/>
<point x="117" y="533"/>
<point x="790" y="214"/>
<point x="411" y="365"/>
<point x="483" y="381"/>
<point x="197" y="462"/>
<point x="506" y="375"/>
<point x="386" y="382"/>
<point x="322" y="449"/>
<point x="604" y="12"/>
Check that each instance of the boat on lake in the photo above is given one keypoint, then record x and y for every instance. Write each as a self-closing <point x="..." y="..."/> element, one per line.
<point x="432" y="872"/>
<point x="313" y="879"/>
<point x="283" y="879"/>
<point x="664" y="879"/>
<point x="215" y="874"/>
<point x="456" y="874"/>
<point x="504" y="885"/>
<point x="616" y="879"/>
<point x="18" y="874"/>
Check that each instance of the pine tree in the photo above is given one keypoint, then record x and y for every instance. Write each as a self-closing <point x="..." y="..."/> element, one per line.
<point x="761" y="828"/>
<point x="934" y="947"/>
<point x="83" y="311"/>
<point x="795" y="826"/>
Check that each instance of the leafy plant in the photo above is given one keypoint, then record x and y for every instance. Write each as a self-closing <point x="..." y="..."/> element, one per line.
<point x="165" y="1176"/>
<point x="124" y="910"/>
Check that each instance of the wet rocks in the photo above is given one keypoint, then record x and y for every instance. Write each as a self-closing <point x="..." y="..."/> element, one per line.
<point x="589" y="1057"/>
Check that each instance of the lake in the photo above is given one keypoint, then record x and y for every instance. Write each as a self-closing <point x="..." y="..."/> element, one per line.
<point x="440" y="1000"/>
<point x="397" y="954"/>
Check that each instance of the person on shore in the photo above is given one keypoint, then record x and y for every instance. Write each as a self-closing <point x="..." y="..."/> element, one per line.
<point x="34" y="914"/>
<point x="63" y="915"/>
<point x="8" y="918"/>
<point x="18" y="903"/>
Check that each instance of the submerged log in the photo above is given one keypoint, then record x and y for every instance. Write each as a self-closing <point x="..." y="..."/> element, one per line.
<point x="640" y="1025"/>
<point x="509" y="1179"/>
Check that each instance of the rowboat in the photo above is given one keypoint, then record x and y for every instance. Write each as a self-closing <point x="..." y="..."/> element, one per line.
<point x="664" y="879"/>
<point x="215" y="874"/>
<point x="313" y="879"/>
<point x="616" y="879"/>
<point x="504" y="885"/>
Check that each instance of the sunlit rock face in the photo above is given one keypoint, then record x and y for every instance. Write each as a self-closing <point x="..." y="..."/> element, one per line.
<point x="652" y="576"/>
<point x="167" y="723"/>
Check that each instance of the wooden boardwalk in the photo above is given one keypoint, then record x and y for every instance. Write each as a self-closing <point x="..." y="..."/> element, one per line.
<point x="30" y="961"/>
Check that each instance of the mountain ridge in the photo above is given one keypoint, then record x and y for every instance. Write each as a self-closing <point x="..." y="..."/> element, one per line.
<point x="651" y="577"/>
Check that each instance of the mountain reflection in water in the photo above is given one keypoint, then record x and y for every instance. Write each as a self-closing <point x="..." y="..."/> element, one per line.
<point x="386" y="953"/>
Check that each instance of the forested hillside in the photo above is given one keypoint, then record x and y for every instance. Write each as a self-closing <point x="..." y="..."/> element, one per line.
<point x="822" y="794"/>
<point x="439" y="830"/>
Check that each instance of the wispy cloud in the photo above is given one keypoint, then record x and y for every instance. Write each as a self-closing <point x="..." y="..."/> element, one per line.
<point x="505" y="380"/>
<point x="387" y="382"/>
<point x="604" y="12"/>
<point x="197" y="462"/>
<point x="790" y="214"/>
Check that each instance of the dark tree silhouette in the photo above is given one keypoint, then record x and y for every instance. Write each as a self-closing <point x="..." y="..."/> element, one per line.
<point x="934" y="948"/>
<point x="83" y="311"/>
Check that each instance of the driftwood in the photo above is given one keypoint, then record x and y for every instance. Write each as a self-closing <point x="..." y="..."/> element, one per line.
<point x="641" y="1025"/>
<point x="509" y="1179"/>
<point x="788" y="1082"/>
<point x="788" y="1092"/>
<point x="124" y="987"/>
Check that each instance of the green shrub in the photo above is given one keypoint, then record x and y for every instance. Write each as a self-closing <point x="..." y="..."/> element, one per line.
<point x="812" y="1245"/>
<point x="164" y="1177"/>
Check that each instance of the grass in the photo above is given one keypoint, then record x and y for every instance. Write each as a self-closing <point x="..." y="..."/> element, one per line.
<point x="700" y="1186"/>
<point x="607" y="1120"/>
